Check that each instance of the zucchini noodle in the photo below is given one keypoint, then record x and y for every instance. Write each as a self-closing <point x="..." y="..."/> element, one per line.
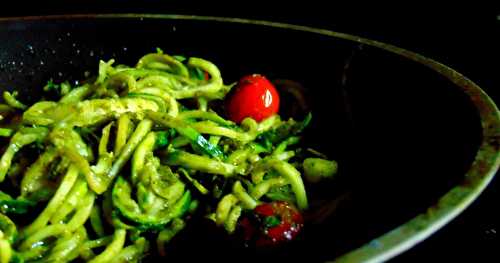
<point x="101" y="167"/>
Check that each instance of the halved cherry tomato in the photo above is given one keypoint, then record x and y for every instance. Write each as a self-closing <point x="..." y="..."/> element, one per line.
<point x="254" y="97"/>
<point x="272" y="224"/>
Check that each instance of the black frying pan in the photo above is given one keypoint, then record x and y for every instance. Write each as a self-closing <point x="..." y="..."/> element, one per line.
<point x="404" y="134"/>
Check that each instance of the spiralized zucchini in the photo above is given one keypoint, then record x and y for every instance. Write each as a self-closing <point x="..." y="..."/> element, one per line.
<point x="98" y="166"/>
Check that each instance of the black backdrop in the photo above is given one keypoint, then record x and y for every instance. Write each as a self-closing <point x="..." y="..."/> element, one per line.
<point x="465" y="38"/>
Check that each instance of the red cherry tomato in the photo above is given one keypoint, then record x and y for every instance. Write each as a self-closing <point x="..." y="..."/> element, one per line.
<point x="253" y="97"/>
<point x="273" y="223"/>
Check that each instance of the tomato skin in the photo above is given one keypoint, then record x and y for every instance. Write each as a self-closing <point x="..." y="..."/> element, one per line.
<point x="290" y="225"/>
<point x="264" y="232"/>
<point x="255" y="97"/>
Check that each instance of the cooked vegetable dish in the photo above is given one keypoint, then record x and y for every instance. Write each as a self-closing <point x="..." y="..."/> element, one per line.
<point x="112" y="168"/>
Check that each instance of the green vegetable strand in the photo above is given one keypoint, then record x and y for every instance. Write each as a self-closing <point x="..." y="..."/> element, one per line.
<point x="19" y="140"/>
<point x="246" y="200"/>
<point x="10" y="99"/>
<point x="135" y="139"/>
<point x="58" y="198"/>
<point x="122" y="132"/>
<point x="113" y="249"/>
<point x="185" y="130"/>
<point x="167" y="234"/>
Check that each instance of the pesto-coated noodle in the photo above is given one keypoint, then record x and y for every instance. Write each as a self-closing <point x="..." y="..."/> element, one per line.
<point x="129" y="154"/>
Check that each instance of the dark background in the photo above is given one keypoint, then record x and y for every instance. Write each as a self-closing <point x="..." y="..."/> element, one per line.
<point x="467" y="38"/>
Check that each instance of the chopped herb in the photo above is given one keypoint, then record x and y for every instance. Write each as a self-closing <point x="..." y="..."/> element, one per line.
<point x="57" y="89"/>
<point x="271" y="221"/>
<point x="180" y="58"/>
<point x="161" y="139"/>
<point x="282" y="132"/>
<point x="50" y="86"/>
<point x="196" y="73"/>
